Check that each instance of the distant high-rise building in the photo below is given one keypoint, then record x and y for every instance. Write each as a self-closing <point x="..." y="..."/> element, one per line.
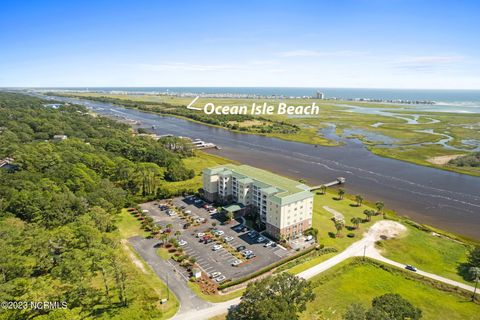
<point x="320" y="95"/>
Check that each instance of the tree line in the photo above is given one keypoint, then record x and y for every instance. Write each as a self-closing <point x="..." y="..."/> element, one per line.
<point x="59" y="204"/>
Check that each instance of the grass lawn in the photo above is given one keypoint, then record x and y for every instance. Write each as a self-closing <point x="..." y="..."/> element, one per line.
<point x="215" y="297"/>
<point x="129" y="226"/>
<point x="430" y="253"/>
<point x="145" y="285"/>
<point x="353" y="282"/>
<point x="164" y="254"/>
<point x="322" y="220"/>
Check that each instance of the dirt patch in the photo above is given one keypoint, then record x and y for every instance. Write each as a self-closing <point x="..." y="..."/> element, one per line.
<point x="386" y="229"/>
<point x="442" y="160"/>
<point x="336" y="215"/>
<point x="132" y="256"/>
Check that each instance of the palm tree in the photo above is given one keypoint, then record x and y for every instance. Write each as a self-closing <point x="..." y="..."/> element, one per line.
<point x="339" y="226"/>
<point x="323" y="189"/>
<point x="369" y="214"/>
<point x="341" y="193"/>
<point x="356" y="221"/>
<point x="359" y="200"/>
<point x="164" y="237"/>
<point x="379" y="205"/>
<point x="177" y="234"/>
<point x="475" y="273"/>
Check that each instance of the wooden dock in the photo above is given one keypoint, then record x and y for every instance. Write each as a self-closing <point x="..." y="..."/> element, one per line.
<point x="339" y="180"/>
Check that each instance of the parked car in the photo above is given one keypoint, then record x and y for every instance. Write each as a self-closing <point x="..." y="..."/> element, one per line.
<point x="188" y="211"/>
<point x="238" y="228"/>
<point x="261" y="239"/>
<point x="182" y="242"/>
<point x="220" y="279"/>
<point x="200" y="235"/>
<point x="247" y="252"/>
<point x="309" y="238"/>
<point x="228" y="239"/>
<point x="215" y="274"/>
<point x="145" y="211"/>
<point x="218" y="232"/>
<point x="268" y="244"/>
<point x="236" y="263"/>
<point x="411" y="268"/>
<point x="250" y="256"/>
<point x="213" y="211"/>
<point x="186" y="226"/>
<point x="241" y="248"/>
<point x="217" y="247"/>
<point x="209" y="240"/>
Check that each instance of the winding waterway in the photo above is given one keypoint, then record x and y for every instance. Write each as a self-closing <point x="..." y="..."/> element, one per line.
<point x="439" y="198"/>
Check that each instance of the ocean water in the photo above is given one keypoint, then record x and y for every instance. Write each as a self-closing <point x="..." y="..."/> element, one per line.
<point x="464" y="101"/>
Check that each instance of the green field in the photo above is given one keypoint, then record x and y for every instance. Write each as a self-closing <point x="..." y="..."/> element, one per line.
<point x="353" y="282"/>
<point x="145" y="283"/>
<point x="435" y="254"/>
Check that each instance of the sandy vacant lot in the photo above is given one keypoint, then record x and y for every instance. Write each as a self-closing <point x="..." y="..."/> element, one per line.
<point x="441" y="160"/>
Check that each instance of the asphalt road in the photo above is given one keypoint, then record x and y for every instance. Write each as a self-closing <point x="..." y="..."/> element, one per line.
<point x="189" y="302"/>
<point x="366" y="244"/>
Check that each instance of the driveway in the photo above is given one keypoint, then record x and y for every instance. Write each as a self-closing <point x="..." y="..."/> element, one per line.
<point x="189" y="302"/>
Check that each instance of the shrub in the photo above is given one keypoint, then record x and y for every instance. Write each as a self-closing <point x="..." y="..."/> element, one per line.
<point x="351" y="235"/>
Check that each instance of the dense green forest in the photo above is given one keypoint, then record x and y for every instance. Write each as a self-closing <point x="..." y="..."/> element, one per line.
<point x="267" y="126"/>
<point x="58" y="205"/>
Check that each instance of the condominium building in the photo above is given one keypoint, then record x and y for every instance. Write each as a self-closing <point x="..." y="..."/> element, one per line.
<point x="283" y="205"/>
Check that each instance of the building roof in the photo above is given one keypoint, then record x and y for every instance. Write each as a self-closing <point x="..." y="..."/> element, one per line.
<point x="233" y="207"/>
<point x="286" y="190"/>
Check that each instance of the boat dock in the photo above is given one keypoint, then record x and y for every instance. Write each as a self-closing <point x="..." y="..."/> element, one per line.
<point x="339" y="180"/>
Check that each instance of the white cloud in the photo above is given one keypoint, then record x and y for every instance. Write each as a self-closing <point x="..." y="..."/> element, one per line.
<point x="426" y="63"/>
<point x="186" y="66"/>
<point x="315" y="53"/>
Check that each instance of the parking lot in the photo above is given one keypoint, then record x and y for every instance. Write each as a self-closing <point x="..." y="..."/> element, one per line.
<point x="207" y="259"/>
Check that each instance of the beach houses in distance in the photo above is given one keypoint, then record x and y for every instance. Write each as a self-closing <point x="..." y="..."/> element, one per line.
<point x="285" y="206"/>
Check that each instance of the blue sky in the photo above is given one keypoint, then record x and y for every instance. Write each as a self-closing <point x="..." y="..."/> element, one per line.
<point x="369" y="43"/>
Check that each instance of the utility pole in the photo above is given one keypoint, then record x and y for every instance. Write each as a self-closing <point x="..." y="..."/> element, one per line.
<point x="168" y="289"/>
<point x="364" y="249"/>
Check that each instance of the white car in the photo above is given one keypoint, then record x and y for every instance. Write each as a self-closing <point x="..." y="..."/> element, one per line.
<point x="309" y="237"/>
<point x="228" y="239"/>
<point x="268" y="244"/>
<point x="236" y="263"/>
<point x="213" y="211"/>
<point x="217" y="247"/>
<point x="247" y="252"/>
<point x="215" y="274"/>
<point x="182" y="242"/>
<point x="200" y="234"/>
<point x="145" y="211"/>
<point x="220" y="279"/>
<point x="219" y="232"/>
<point x="188" y="211"/>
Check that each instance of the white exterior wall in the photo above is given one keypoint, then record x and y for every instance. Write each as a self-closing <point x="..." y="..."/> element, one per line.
<point x="210" y="183"/>
<point x="295" y="212"/>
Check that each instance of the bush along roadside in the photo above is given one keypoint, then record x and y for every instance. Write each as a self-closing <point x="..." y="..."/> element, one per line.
<point x="266" y="269"/>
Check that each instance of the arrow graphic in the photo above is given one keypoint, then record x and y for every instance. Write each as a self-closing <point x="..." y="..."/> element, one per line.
<point x="191" y="103"/>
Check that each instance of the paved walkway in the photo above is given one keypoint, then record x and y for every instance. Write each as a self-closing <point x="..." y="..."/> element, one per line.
<point x="365" y="245"/>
